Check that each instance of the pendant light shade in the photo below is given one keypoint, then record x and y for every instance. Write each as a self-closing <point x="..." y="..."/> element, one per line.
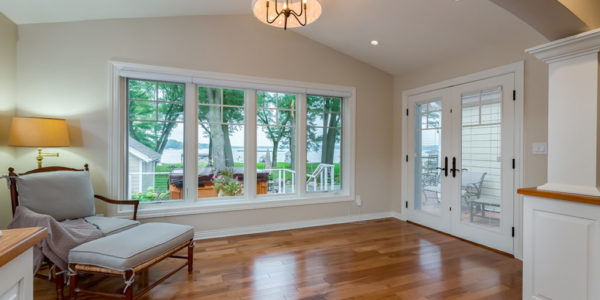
<point x="286" y="13"/>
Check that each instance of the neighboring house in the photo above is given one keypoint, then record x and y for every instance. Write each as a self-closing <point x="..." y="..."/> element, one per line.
<point x="142" y="163"/>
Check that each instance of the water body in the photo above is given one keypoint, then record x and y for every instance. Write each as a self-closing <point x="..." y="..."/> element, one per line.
<point x="173" y="156"/>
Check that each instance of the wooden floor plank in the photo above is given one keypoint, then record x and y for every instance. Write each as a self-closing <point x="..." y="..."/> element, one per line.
<point x="379" y="259"/>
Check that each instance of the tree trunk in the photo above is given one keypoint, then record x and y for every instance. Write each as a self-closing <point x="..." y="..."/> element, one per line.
<point x="292" y="144"/>
<point x="161" y="143"/>
<point x="216" y="130"/>
<point x="331" y="139"/>
<point x="324" y="144"/>
<point x="275" y="148"/>
<point x="324" y="141"/>
<point x="209" y="150"/>
<point x="227" y="144"/>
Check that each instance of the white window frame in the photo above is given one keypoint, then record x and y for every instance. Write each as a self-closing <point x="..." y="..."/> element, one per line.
<point x="117" y="141"/>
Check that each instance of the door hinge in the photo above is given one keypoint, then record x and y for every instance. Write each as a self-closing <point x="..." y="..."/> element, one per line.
<point x="407" y="111"/>
<point x="513" y="163"/>
<point x="514" y="95"/>
<point x="406" y="158"/>
<point x="513" y="231"/>
<point x="406" y="204"/>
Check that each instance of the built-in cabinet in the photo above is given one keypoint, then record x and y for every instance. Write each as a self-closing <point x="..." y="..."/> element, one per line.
<point x="561" y="249"/>
<point x="17" y="278"/>
<point x="16" y="262"/>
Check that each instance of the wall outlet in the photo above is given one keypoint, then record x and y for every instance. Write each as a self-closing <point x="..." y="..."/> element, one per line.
<point x="540" y="148"/>
<point x="358" y="201"/>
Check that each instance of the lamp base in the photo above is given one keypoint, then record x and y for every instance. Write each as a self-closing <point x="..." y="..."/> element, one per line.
<point x="40" y="157"/>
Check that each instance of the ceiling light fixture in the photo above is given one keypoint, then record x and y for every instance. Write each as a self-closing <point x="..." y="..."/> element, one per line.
<point x="374" y="42"/>
<point x="287" y="13"/>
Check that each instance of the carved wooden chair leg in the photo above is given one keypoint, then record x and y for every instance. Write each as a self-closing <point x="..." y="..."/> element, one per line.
<point x="73" y="280"/>
<point x="129" y="287"/>
<point x="60" y="283"/>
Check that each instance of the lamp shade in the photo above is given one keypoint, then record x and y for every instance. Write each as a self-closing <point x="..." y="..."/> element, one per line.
<point x="313" y="12"/>
<point x="38" y="132"/>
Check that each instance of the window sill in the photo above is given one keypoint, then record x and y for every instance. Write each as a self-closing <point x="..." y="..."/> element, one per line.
<point x="217" y="205"/>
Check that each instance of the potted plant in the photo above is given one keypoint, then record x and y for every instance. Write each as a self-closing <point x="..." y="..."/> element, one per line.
<point x="227" y="184"/>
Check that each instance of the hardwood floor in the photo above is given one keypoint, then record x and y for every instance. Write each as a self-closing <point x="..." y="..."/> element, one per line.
<point x="380" y="259"/>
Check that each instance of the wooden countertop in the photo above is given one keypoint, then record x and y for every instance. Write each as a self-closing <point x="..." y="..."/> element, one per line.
<point x="13" y="242"/>
<point x="534" y="192"/>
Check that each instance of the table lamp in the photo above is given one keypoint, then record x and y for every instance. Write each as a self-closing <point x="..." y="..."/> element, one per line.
<point x="38" y="132"/>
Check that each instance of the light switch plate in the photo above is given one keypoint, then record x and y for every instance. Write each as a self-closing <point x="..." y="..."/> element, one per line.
<point x="540" y="148"/>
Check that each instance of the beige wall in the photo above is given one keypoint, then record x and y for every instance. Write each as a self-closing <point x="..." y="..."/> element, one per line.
<point x="535" y="100"/>
<point x="63" y="72"/>
<point x="8" y="73"/>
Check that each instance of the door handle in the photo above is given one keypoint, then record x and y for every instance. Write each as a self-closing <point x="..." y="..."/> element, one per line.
<point x="454" y="169"/>
<point x="445" y="168"/>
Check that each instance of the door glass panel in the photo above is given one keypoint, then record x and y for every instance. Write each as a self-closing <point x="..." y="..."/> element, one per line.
<point x="481" y="158"/>
<point x="428" y="149"/>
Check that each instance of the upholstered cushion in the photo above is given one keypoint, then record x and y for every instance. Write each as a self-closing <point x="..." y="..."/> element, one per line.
<point x="111" y="225"/>
<point x="127" y="249"/>
<point x="61" y="194"/>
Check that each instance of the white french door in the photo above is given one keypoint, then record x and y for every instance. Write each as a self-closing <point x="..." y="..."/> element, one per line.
<point x="461" y="176"/>
<point x="430" y="143"/>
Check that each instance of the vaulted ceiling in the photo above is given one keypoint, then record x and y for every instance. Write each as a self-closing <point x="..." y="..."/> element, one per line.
<point x="411" y="33"/>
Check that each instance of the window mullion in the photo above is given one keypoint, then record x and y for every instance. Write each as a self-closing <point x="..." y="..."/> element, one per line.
<point x="250" y="144"/>
<point x="301" y="144"/>
<point x="190" y="144"/>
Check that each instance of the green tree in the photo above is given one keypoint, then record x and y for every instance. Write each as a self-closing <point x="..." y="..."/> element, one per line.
<point x="280" y="117"/>
<point x="217" y="129"/>
<point x="150" y="102"/>
<point x="323" y="130"/>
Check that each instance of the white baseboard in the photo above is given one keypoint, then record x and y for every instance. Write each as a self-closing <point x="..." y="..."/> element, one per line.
<point x="398" y="215"/>
<point x="209" y="234"/>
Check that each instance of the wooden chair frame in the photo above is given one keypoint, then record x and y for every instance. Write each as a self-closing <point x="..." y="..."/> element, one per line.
<point x="14" y="198"/>
<point x="128" y="293"/>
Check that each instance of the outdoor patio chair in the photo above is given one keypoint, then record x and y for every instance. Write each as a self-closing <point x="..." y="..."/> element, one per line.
<point x="431" y="186"/>
<point x="472" y="183"/>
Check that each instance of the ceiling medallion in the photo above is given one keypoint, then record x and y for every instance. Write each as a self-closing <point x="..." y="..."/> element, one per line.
<point x="287" y="13"/>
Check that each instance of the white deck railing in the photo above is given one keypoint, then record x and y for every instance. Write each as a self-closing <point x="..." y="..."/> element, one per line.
<point x="324" y="172"/>
<point x="282" y="178"/>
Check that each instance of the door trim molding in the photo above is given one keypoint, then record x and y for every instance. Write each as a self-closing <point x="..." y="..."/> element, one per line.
<point x="518" y="69"/>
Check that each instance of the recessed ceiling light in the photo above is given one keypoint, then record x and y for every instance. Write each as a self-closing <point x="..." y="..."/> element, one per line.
<point x="374" y="42"/>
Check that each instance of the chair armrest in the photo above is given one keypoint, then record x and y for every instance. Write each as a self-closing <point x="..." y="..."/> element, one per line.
<point x="135" y="203"/>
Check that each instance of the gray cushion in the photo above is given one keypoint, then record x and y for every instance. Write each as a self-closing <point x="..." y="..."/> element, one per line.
<point x="127" y="249"/>
<point x="111" y="225"/>
<point x="61" y="194"/>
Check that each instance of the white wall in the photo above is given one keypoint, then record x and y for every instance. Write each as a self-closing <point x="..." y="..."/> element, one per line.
<point x="63" y="72"/>
<point x="535" y="100"/>
<point x="8" y="73"/>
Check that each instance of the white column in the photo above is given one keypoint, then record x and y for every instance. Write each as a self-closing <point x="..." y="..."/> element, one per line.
<point x="573" y="113"/>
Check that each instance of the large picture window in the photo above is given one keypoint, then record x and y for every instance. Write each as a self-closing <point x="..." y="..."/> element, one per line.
<point x="201" y="142"/>
<point x="155" y="139"/>
<point x="220" y="142"/>
<point x="323" y="143"/>
<point x="276" y="141"/>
